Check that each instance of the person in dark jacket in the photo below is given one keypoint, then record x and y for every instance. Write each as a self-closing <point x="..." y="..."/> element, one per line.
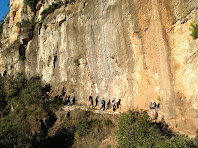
<point x="73" y="101"/>
<point x="114" y="105"/>
<point x="118" y="103"/>
<point x="96" y="101"/>
<point x="108" y="104"/>
<point x="102" y="104"/>
<point x="91" y="101"/>
<point x="68" y="100"/>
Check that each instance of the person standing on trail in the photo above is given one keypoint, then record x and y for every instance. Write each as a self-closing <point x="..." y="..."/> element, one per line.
<point x="96" y="101"/>
<point x="102" y="104"/>
<point x="47" y="96"/>
<point x="68" y="100"/>
<point x="153" y="109"/>
<point x="91" y="101"/>
<point x="118" y="103"/>
<point x="196" y="137"/>
<point x="108" y="104"/>
<point x="113" y="104"/>
<point x="73" y="101"/>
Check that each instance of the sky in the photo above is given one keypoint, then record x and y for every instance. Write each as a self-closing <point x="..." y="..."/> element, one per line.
<point x="4" y="8"/>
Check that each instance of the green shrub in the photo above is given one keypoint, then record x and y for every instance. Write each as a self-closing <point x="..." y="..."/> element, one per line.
<point x="95" y="123"/>
<point x="3" y="102"/>
<point x="108" y="123"/>
<point x="137" y="130"/>
<point x="76" y="61"/>
<point x="52" y="105"/>
<point x="22" y="58"/>
<point x="45" y="26"/>
<point x="14" y="133"/>
<point x="194" y="30"/>
<point x="182" y="141"/>
<point x="1" y="27"/>
<point x="82" y="125"/>
<point x="6" y="111"/>
<point x="51" y="9"/>
<point x="32" y="94"/>
<point x="26" y="23"/>
<point x="18" y="24"/>
<point x="69" y="1"/>
<point x="2" y="23"/>
<point x="16" y="85"/>
<point x="32" y="4"/>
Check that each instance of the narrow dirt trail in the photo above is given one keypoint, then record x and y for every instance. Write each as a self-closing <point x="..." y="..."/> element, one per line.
<point x="95" y="110"/>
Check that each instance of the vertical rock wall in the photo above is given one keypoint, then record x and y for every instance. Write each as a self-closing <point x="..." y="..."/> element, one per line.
<point x="136" y="51"/>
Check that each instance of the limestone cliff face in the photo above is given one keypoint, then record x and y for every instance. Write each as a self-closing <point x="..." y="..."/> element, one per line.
<point x="133" y="50"/>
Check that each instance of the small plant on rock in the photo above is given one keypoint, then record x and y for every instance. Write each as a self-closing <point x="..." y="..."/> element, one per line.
<point x="194" y="29"/>
<point x="76" y="61"/>
<point x="32" y="4"/>
<point x="1" y="27"/>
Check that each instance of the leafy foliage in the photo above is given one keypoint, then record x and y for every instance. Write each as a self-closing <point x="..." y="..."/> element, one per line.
<point x="194" y="29"/>
<point x="1" y="26"/>
<point x="16" y="84"/>
<point x="51" y="9"/>
<point x="32" y="94"/>
<point x="2" y="95"/>
<point x="14" y="133"/>
<point x="137" y="130"/>
<point x="76" y="61"/>
<point x="23" y="107"/>
<point x="32" y="4"/>
<point x="82" y="125"/>
<point x="26" y="23"/>
<point x="2" y="23"/>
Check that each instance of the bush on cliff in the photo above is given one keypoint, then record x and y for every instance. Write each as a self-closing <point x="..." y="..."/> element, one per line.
<point x="82" y="125"/>
<point x="137" y="130"/>
<point x="32" y="94"/>
<point x="32" y="4"/>
<point x="1" y="27"/>
<point x="14" y="132"/>
<point x="3" y="102"/>
<point x="194" y="29"/>
<point x="51" y="9"/>
<point x="23" y="109"/>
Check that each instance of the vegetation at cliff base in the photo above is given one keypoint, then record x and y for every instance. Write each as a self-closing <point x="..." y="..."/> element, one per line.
<point x="26" y="120"/>
<point x="21" y="110"/>
<point x="194" y="30"/>
<point x="137" y="130"/>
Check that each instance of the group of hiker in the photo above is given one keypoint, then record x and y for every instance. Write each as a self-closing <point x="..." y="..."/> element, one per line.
<point x="103" y="103"/>
<point x="115" y="105"/>
<point x="70" y="101"/>
<point x="66" y="100"/>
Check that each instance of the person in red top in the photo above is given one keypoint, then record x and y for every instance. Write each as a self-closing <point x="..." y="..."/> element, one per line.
<point x="47" y="96"/>
<point x="197" y="132"/>
<point x="196" y="137"/>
